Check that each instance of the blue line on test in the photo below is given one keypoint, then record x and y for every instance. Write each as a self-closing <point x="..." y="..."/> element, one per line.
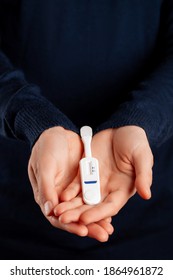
<point x="90" y="182"/>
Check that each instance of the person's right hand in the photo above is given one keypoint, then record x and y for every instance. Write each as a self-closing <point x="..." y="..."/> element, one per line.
<point x="125" y="164"/>
<point x="52" y="167"/>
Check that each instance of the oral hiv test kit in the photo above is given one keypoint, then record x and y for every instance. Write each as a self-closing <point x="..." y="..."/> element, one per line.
<point x="89" y="170"/>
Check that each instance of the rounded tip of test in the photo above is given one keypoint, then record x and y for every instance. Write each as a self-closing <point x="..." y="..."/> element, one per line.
<point x="86" y="131"/>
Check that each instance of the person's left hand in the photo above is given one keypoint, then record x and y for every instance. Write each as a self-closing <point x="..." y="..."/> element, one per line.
<point x="53" y="166"/>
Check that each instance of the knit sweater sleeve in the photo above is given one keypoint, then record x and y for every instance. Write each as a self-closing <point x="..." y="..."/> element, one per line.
<point x="24" y="112"/>
<point x="150" y="104"/>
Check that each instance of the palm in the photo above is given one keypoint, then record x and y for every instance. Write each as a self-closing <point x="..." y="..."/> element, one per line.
<point x="117" y="172"/>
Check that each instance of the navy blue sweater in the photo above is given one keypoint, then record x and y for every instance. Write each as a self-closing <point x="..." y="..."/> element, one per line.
<point x="103" y="63"/>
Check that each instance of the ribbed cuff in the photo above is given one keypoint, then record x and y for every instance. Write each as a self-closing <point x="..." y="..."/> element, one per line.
<point x="136" y="114"/>
<point x="29" y="114"/>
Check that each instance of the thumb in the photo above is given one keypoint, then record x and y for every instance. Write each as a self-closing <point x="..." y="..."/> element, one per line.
<point x="143" y="163"/>
<point x="48" y="193"/>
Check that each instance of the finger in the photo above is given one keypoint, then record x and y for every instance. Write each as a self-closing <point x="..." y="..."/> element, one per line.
<point x="75" y="228"/>
<point x="109" y="220"/>
<point x="69" y="205"/>
<point x="76" y="206"/>
<point x="48" y="195"/>
<point x="143" y="163"/>
<point x="97" y="232"/>
<point x="72" y="190"/>
<point x="106" y="226"/>
<point x="109" y="207"/>
<point x="73" y="215"/>
<point x="48" y="191"/>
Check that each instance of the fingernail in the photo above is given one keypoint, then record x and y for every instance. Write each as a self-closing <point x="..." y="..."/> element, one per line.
<point x="47" y="207"/>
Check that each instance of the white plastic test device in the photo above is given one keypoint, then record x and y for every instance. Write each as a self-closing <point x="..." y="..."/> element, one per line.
<point x="89" y="170"/>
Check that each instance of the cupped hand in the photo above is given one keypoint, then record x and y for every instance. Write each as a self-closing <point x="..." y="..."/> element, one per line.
<point x="125" y="163"/>
<point x="52" y="167"/>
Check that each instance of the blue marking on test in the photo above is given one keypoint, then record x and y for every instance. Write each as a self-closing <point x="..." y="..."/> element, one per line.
<point x="90" y="182"/>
